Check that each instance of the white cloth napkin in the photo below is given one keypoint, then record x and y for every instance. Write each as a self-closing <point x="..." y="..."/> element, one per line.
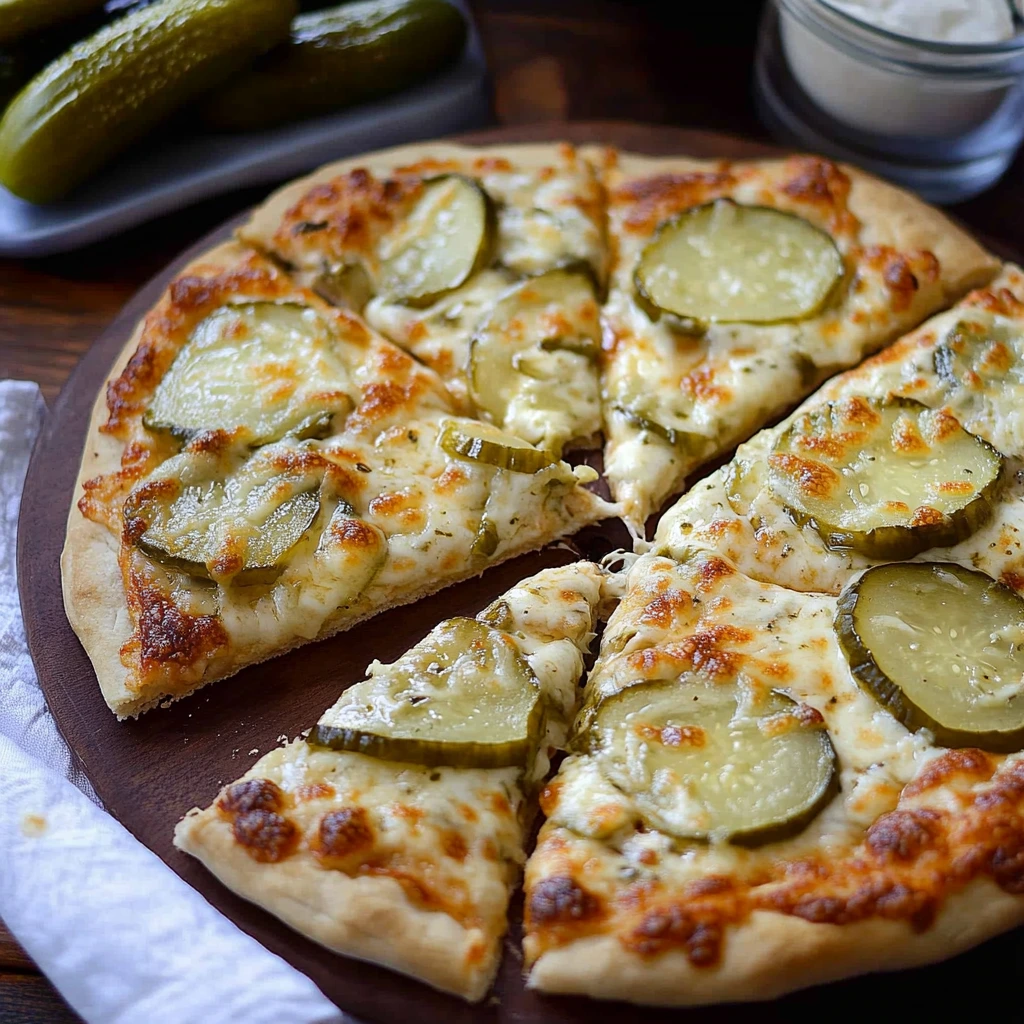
<point x="116" y="931"/>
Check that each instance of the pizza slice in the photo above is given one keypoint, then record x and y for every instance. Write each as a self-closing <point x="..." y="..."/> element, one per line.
<point x="486" y="264"/>
<point x="771" y="789"/>
<point x="395" y="831"/>
<point x="737" y="288"/>
<point x="264" y="470"/>
<point x="916" y="454"/>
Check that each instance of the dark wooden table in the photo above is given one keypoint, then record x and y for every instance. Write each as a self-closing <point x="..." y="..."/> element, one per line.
<point x="551" y="60"/>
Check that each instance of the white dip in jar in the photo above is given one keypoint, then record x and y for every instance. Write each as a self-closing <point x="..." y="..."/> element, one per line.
<point x="878" y="99"/>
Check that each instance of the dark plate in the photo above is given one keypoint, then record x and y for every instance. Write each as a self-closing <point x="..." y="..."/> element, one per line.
<point x="150" y="772"/>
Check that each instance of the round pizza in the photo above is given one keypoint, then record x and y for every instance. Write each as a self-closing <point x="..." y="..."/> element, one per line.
<point x="798" y="754"/>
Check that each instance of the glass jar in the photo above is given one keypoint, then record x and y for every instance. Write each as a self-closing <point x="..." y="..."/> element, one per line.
<point x="943" y="119"/>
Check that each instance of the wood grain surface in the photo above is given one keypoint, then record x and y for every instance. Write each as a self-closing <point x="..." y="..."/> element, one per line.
<point x="551" y="60"/>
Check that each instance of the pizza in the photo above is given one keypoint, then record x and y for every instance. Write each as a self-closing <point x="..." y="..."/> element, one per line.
<point x="736" y="288"/>
<point x="799" y="754"/>
<point x="264" y="470"/>
<point x="486" y="264"/>
<point x="395" y="831"/>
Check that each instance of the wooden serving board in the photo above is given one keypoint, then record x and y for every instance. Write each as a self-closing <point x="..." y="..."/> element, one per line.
<point x="150" y="772"/>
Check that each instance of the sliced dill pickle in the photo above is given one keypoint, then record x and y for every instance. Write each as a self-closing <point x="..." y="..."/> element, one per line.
<point x="940" y="647"/>
<point x="886" y="478"/>
<point x="726" y="263"/>
<point x="338" y="57"/>
<point x="976" y="357"/>
<point x="479" y="442"/>
<point x="446" y="238"/>
<point x="704" y="761"/>
<point x="112" y="88"/>
<point x="463" y="697"/>
<point x="533" y="363"/>
<point x="347" y="287"/>
<point x="231" y="523"/>
<point x="656" y="422"/>
<point x="273" y="368"/>
<point x="19" y="18"/>
<point x="487" y="538"/>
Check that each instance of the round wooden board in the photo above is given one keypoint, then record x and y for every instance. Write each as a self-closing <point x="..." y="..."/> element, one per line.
<point x="150" y="772"/>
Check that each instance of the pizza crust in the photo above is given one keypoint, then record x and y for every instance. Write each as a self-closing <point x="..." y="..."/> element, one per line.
<point x="772" y="954"/>
<point x="370" y="918"/>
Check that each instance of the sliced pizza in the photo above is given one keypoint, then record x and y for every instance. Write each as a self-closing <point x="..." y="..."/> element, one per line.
<point x="918" y="453"/>
<point x="486" y="264"/>
<point x="264" y="470"/>
<point x="394" y="832"/>
<point x="771" y="789"/>
<point x="736" y="288"/>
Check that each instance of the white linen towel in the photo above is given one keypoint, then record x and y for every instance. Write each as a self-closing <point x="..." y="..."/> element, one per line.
<point x="117" y="932"/>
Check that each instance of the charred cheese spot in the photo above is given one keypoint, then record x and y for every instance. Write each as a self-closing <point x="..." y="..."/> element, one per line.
<point x="674" y="735"/>
<point x="454" y="845"/>
<point x="700" y="386"/>
<point x="904" y="835"/>
<point x="251" y="795"/>
<point x="814" y="180"/>
<point x="1000" y="301"/>
<point x="662" y="611"/>
<point x="651" y="200"/>
<point x="815" y="479"/>
<point x="712" y="572"/>
<point x="925" y="515"/>
<point x="548" y="799"/>
<point x="560" y="900"/>
<point x="677" y="926"/>
<point x="265" y="835"/>
<point x="343" y="836"/>
<point x="165" y="635"/>
<point x="314" y="791"/>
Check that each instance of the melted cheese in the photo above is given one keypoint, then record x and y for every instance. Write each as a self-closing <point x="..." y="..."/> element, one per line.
<point x="718" y="387"/>
<point x="456" y="833"/>
<point x="734" y="513"/>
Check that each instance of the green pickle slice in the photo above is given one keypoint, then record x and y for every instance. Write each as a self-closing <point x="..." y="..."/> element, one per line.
<point x="198" y="516"/>
<point x="701" y="761"/>
<point x="726" y="263"/>
<point x="463" y="697"/>
<point x="272" y="368"/>
<point x="446" y="239"/>
<point x="479" y="442"/>
<point x="940" y="647"/>
<point x="886" y="478"/>
<point x="533" y="359"/>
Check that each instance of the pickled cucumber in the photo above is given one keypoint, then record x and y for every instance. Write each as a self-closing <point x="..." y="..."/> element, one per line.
<point x="941" y="648"/>
<point x="703" y="762"/>
<point x="108" y="91"/>
<point x="464" y="697"/>
<point x="338" y="57"/>
<point x="726" y="263"/>
<point x="886" y="478"/>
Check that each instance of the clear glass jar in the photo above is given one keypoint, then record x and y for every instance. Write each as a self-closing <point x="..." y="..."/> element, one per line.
<point x="943" y="119"/>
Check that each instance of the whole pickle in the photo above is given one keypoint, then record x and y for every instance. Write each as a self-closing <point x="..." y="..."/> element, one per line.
<point x="110" y="90"/>
<point x="339" y="57"/>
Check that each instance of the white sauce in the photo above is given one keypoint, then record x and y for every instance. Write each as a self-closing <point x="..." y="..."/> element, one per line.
<point x="941" y="21"/>
<point x="875" y="99"/>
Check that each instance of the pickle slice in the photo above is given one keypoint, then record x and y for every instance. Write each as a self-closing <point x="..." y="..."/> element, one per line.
<point x="976" y="357"/>
<point x="272" y="368"/>
<point x="726" y="263"/>
<point x="463" y="697"/>
<point x="533" y="362"/>
<point x="479" y="442"/>
<point x="659" y="423"/>
<point x="230" y="526"/>
<point x="444" y="241"/>
<point x="702" y="761"/>
<point x="941" y="648"/>
<point x="888" y="479"/>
